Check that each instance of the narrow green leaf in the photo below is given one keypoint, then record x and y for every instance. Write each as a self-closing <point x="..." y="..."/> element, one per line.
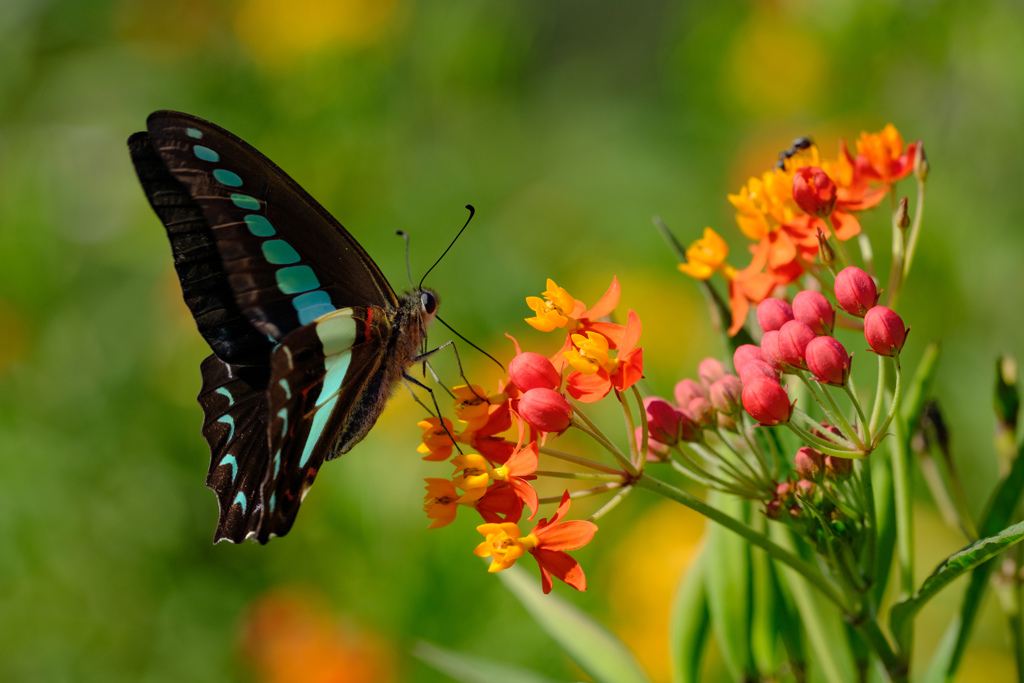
<point x="954" y="566"/>
<point x="688" y="624"/>
<point x="767" y="618"/>
<point x="1004" y="501"/>
<point x="472" y="669"/>
<point x="729" y="589"/>
<point x="593" y="647"/>
<point x="920" y="386"/>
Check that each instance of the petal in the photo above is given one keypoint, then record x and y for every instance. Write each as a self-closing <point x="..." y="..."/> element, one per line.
<point x="566" y="535"/>
<point x="525" y="493"/>
<point x="846" y="225"/>
<point x="562" y="566"/>
<point x="631" y="336"/>
<point x="588" y="388"/>
<point x="607" y="303"/>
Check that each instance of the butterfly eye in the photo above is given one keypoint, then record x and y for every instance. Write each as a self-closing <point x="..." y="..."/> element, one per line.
<point x="429" y="302"/>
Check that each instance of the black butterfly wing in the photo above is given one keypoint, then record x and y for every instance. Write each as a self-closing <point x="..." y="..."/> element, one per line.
<point x="258" y="259"/>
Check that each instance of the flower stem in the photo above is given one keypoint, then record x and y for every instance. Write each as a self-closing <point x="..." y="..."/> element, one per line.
<point x="582" y="476"/>
<point x="607" y="507"/>
<point x="576" y="460"/>
<point x="585" y="425"/>
<point x="798" y="564"/>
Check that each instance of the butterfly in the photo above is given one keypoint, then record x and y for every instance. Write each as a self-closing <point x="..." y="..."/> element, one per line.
<point x="308" y="337"/>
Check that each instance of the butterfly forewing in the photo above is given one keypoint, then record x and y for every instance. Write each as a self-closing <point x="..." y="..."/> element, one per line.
<point x="288" y="261"/>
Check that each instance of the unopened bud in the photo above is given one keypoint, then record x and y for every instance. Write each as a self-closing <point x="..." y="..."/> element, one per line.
<point x="744" y="353"/>
<point x="662" y="420"/>
<point x="884" y="331"/>
<point x="686" y="390"/>
<point x="921" y="166"/>
<point x="814" y="310"/>
<point x="903" y="214"/>
<point x="529" y="370"/>
<point x="805" y="488"/>
<point x="767" y="402"/>
<point x="702" y="413"/>
<point x="770" y="349"/>
<point x="773" y="313"/>
<point x="838" y="468"/>
<point x="814" y="191"/>
<point x="856" y="292"/>
<point x="793" y="340"/>
<point x="825" y="251"/>
<point x="1007" y="398"/>
<point x="726" y="395"/>
<point x="755" y="370"/>
<point x="545" y="409"/>
<point x="710" y="371"/>
<point x="656" y="451"/>
<point x="828" y="361"/>
<point x="810" y="463"/>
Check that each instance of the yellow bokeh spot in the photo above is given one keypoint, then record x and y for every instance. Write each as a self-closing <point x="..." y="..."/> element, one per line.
<point x="276" y="33"/>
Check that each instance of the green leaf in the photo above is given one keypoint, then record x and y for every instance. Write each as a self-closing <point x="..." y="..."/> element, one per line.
<point x="593" y="647"/>
<point x="472" y="669"/>
<point x="1004" y="501"/>
<point x="688" y="624"/>
<point x="729" y="589"/>
<point x="920" y="386"/>
<point x="952" y="567"/>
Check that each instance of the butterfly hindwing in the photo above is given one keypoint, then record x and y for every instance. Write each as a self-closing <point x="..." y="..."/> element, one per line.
<point x="235" y="426"/>
<point x="318" y="374"/>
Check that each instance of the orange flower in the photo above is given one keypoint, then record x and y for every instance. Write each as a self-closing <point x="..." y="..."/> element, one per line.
<point x="500" y="504"/>
<point x="474" y="475"/>
<point x="596" y="372"/>
<point x="705" y="255"/>
<point x="881" y="156"/>
<point x="437" y="439"/>
<point x="442" y="501"/>
<point x="547" y="543"/>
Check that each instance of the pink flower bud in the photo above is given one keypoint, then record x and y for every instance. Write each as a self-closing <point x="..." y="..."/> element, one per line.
<point x="687" y="390"/>
<point x="784" y="492"/>
<point x="662" y="420"/>
<point x="828" y="361"/>
<point x="814" y="191"/>
<point x="710" y="371"/>
<point x="838" y="468"/>
<point x="756" y="370"/>
<point x="885" y="331"/>
<point x="793" y="340"/>
<point x="810" y="463"/>
<point x="767" y="402"/>
<point x="702" y="413"/>
<point x="545" y="409"/>
<point x="773" y="313"/>
<point x="726" y="394"/>
<point x="744" y="353"/>
<point x="814" y="310"/>
<point x="856" y="292"/>
<point x="804" y="488"/>
<point x="773" y="509"/>
<point x="770" y="350"/>
<point x="530" y="370"/>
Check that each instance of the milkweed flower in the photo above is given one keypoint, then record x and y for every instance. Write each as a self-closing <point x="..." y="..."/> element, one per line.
<point x="442" y="501"/>
<point x="882" y="157"/>
<point x="547" y="542"/>
<point x="596" y="372"/>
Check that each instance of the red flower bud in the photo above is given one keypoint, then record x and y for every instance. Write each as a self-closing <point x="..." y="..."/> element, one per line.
<point x="773" y="509"/>
<point x="773" y="313"/>
<point x="710" y="371"/>
<point x="828" y="361"/>
<point x="814" y="310"/>
<point x="662" y="420"/>
<point x="814" y="191"/>
<point x="756" y="370"/>
<point x="793" y="340"/>
<point x="530" y="370"/>
<point x="545" y="409"/>
<point x="767" y="402"/>
<point x="856" y="292"/>
<point x="744" y="353"/>
<point x="702" y="413"/>
<point x="770" y="350"/>
<point x="726" y="395"/>
<point x="810" y="463"/>
<point x="687" y="390"/>
<point x="885" y="331"/>
<point x="838" y="468"/>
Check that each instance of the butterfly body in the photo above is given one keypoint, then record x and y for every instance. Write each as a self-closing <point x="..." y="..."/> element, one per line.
<point x="308" y="338"/>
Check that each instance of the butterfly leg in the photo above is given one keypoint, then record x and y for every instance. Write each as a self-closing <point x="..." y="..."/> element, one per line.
<point x="409" y="378"/>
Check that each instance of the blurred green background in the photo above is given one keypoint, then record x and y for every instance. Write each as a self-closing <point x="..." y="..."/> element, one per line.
<point x="568" y="125"/>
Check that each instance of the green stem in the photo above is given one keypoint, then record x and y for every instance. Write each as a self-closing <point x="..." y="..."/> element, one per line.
<point x="826" y="447"/>
<point x="871" y="523"/>
<point x="576" y="460"/>
<point x="582" y="476"/>
<point x="876" y="409"/>
<point x="860" y="413"/>
<point x="607" y="507"/>
<point x="585" y="425"/>
<point x="876" y="438"/>
<point x="582" y="493"/>
<point x="805" y="569"/>
<point x="902" y="486"/>
<point x="915" y="229"/>
<point x="634" y="451"/>
<point x="876" y="640"/>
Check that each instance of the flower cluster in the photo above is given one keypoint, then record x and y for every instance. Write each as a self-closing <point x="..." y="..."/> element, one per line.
<point x="789" y="210"/>
<point x="496" y="478"/>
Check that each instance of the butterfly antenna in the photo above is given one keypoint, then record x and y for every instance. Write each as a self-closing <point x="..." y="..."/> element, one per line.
<point x="456" y="333"/>
<point x="408" y="269"/>
<point x="472" y="212"/>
